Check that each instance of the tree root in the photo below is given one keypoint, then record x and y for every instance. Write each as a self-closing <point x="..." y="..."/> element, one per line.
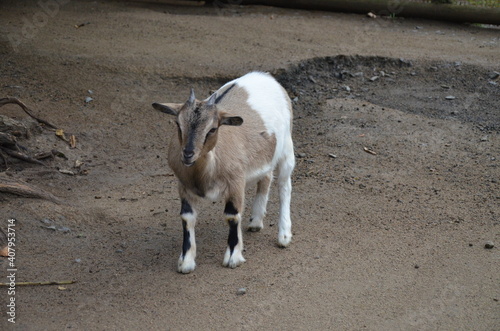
<point x="23" y="189"/>
<point x="5" y="101"/>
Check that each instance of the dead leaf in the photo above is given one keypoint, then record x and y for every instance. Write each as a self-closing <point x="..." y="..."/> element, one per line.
<point x="66" y="172"/>
<point x="4" y="251"/>
<point x="60" y="134"/>
<point x="72" y="141"/>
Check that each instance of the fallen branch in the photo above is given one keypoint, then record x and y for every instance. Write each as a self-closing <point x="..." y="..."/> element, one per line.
<point x="23" y="189"/>
<point x="5" y="101"/>
<point x="20" y="156"/>
<point x="64" y="282"/>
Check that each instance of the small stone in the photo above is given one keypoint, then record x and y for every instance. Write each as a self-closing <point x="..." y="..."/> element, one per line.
<point x="90" y="91"/>
<point x="301" y="155"/>
<point x="64" y="229"/>
<point x="413" y="73"/>
<point x="484" y="138"/>
<point x="489" y="244"/>
<point x="78" y="260"/>
<point x="295" y="99"/>
<point x="46" y="221"/>
<point x="88" y="99"/>
<point x="119" y="251"/>
<point x="416" y="266"/>
<point x="457" y="63"/>
<point x="333" y="156"/>
<point x="347" y="88"/>
<point x="241" y="291"/>
<point x="450" y="97"/>
<point x="374" y="78"/>
<point x="494" y="75"/>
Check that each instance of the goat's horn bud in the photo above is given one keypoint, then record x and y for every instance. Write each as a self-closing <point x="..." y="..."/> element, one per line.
<point x="192" y="98"/>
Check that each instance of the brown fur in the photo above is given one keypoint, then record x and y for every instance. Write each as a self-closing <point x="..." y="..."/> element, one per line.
<point x="227" y="173"/>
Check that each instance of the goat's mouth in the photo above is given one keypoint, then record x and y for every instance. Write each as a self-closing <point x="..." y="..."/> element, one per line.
<point x="188" y="164"/>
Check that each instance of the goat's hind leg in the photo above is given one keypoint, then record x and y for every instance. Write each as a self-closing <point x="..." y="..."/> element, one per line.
<point x="260" y="203"/>
<point x="187" y="262"/>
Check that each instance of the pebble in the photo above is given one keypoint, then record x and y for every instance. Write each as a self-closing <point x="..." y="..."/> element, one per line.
<point x="78" y="260"/>
<point x="494" y="75"/>
<point x="301" y="155"/>
<point x="119" y="251"/>
<point x="347" y="88"/>
<point x="88" y="99"/>
<point x="241" y="291"/>
<point x="64" y="229"/>
<point x="374" y="78"/>
<point x="450" y="97"/>
<point x="333" y="156"/>
<point x="484" y="138"/>
<point x="489" y="244"/>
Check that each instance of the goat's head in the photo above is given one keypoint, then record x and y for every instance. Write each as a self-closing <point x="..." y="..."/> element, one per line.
<point x="198" y="123"/>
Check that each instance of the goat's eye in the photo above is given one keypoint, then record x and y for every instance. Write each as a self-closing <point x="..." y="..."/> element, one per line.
<point x="212" y="131"/>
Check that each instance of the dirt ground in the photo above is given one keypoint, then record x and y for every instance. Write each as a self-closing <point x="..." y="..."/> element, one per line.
<point x="386" y="241"/>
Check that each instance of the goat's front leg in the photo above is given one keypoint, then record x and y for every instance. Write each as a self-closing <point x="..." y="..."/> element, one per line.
<point x="234" y="251"/>
<point x="187" y="259"/>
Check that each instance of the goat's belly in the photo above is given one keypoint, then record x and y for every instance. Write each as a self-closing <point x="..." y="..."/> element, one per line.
<point x="257" y="174"/>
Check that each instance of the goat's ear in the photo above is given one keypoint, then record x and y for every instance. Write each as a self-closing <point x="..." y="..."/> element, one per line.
<point x="168" y="108"/>
<point x="231" y="120"/>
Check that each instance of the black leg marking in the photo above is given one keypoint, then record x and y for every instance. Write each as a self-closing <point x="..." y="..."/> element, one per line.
<point x="186" y="207"/>
<point x="232" y="240"/>
<point x="230" y="209"/>
<point x="186" y="243"/>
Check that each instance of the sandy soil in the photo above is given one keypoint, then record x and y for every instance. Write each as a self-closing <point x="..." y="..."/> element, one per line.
<point x="391" y="241"/>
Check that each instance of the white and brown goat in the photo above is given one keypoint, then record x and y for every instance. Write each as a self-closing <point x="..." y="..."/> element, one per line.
<point x="237" y="136"/>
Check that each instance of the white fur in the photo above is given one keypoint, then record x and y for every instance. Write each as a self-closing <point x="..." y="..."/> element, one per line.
<point x="270" y="101"/>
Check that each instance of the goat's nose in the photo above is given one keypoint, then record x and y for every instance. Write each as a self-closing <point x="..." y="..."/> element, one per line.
<point x="188" y="154"/>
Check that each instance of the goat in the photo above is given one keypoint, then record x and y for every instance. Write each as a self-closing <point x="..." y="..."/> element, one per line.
<point x="237" y="136"/>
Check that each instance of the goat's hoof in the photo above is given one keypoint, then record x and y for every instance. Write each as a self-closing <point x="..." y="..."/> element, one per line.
<point x="284" y="240"/>
<point x="233" y="260"/>
<point x="252" y="228"/>
<point x="186" y="266"/>
<point x="255" y="226"/>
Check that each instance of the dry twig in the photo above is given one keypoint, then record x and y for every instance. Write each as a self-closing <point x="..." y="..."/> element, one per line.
<point x="64" y="282"/>
<point x="5" y="101"/>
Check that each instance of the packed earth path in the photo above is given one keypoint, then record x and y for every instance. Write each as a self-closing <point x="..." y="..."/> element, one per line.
<point x="395" y="191"/>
